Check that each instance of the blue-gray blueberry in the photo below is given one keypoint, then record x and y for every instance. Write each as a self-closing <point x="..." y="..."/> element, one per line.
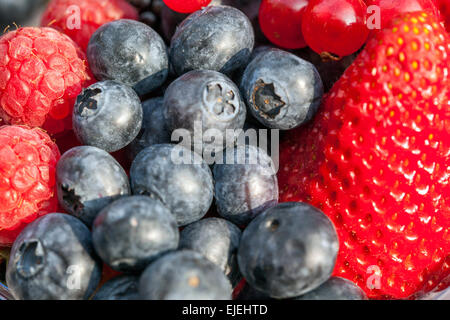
<point x="107" y="115"/>
<point x="219" y="38"/>
<point x="88" y="179"/>
<point x="201" y="100"/>
<point x="53" y="259"/>
<point x="133" y="231"/>
<point x="218" y="241"/>
<point x="245" y="183"/>
<point x="176" y="176"/>
<point x="281" y="90"/>
<point x="184" y="275"/>
<point x="288" y="250"/>
<point x="130" y="52"/>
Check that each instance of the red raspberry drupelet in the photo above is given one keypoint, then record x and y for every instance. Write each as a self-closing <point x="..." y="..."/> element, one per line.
<point x="28" y="160"/>
<point x="79" y="19"/>
<point x="41" y="73"/>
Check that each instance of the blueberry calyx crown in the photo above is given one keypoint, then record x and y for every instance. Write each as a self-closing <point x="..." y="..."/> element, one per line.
<point x="31" y="258"/>
<point x="266" y="100"/>
<point x="86" y="105"/>
<point x="221" y="101"/>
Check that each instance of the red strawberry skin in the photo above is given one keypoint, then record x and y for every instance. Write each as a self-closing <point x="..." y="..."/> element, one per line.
<point x="42" y="71"/>
<point x="93" y="14"/>
<point x="28" y="160"/>
<point x="376" y="160"/>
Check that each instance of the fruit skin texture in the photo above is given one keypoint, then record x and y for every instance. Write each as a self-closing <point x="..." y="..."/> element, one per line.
<point x="336" y="27"/>
<point x="28" y="160"/>
<point x="288" y="250"/>
<point x="47" y="254"/>
<point x="61" y="15"/>
<point x="217" y="240"/>
<point x="230" y="42"/>
<point x="184" y="185"/>
<point x="281" y="22"/>
<point x="246" y="185"/>
<point x="389" y="9"/>
<point x="184" y="275"/>
<point x="376" y="160"/>
<point x="186" y="6"/>
<point x="41" y="73"/>
<point x="129" y="52"/>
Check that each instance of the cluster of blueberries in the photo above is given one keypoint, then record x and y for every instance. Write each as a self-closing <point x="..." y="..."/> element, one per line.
<point x="151" y="224"/>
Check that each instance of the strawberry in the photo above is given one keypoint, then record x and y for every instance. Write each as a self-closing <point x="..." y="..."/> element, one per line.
<point x="376" y="160"/>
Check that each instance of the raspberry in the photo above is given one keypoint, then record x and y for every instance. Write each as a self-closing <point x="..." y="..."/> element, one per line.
<point x="62" y="15"/>
<point x="28" y="160"/>
<point x="41" y="73"/>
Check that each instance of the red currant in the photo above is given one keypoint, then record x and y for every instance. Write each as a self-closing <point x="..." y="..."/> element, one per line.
<point x="335" y="28"/>
<point x="390" y="9"/>
<point x="281" y="22"/>
<point x="186" y="6"/>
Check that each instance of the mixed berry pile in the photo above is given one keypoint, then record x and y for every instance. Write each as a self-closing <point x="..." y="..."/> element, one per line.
<point x="128" y="168"/>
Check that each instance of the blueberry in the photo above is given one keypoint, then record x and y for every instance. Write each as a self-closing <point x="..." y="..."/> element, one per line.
<point x="154" y="129"/>
<point x="53" y="258"/>
<point x="119" y="288"/>
<point x="281" y="90"/>
<point x="107" y="115"/>
<point x="130" y="52"/>
<point x="176" y="176"/>
<point x="88" y="179"/>
<point x="131" y="232"/>
<point x="335" y="288"/>
<point x="218" y="241"/>
<point x="288" y="250"/>
<point x="219" y="38"/>
<point x="207" y="99"/>
<point x="245" y="183"/>
<point x="184" y="275"/>
<point x="16" y="11"/>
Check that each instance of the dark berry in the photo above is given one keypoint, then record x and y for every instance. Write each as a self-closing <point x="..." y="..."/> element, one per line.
<point x="184" y="275"/>
<point x="129" y="52"/>
<point x="154" y="129"/>
<point x="119" y="288"/>
<point x="218" y="241"/>
<point x="281" y="90"/>
<point x="107" y="115"/>
<point x="131" y="232"/>
<point x="88" y="179"/>
<point x="335" y="28"/>
<point x="335" y="288"/>
<point x="16" y="11"/>
<point x="281" y="22"/>
<point x="53" y="259"/>
<point x="288" y="250"/>
<point x="219" y="38"/>
<point x="176" y="176"/>
<point x="245" y="183"/>
<point x="207" y="99"/>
